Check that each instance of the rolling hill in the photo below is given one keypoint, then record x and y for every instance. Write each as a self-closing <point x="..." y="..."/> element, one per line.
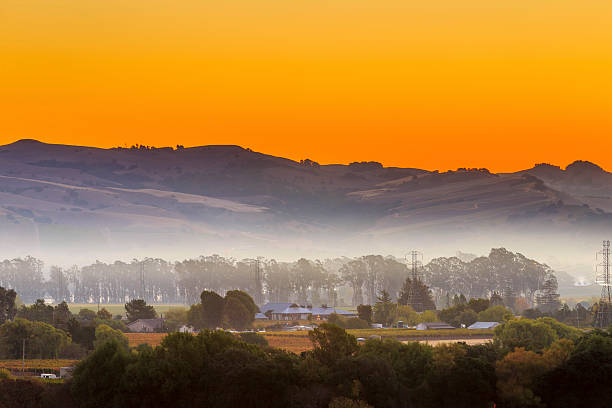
<point x="81" y="201"/>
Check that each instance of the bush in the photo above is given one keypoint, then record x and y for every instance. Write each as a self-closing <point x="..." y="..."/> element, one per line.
<point x="5" y="374"/>
<point x="105" y="334"/>
<point x="348" y="323"/>
<point x="494" y="314"/>
<point x="528" y="334"/>
<point x="115" y="324"/>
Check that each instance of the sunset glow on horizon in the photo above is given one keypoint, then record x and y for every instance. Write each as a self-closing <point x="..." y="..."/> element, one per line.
<point x="434" y="85"/>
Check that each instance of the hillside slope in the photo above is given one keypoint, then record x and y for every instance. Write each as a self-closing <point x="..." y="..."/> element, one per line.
<point x="225" y="198"/>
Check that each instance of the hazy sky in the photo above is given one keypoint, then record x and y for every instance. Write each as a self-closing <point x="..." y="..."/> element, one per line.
<point x="433" y="84"/>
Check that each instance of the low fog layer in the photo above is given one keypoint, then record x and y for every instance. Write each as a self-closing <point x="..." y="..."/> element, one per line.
<point x="72" y="205"/>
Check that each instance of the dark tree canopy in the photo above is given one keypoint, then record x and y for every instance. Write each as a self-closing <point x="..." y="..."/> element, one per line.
<point x="7" y="304"/>
<point x="138" y="309"/>
<point x="422" y="299"/>
<point x="212" y="309"/>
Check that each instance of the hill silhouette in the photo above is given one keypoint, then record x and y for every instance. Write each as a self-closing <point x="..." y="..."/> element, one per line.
<point x="53" y="196"/>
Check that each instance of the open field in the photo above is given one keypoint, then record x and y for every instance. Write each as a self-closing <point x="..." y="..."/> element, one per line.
<point x="298" y="341"/>
<point x="153" y="339"/>
<point x="116" y="308"/>
<point x="471" y="342"/>
<point x="411" y="334"/>
<point x="295" y="344"/>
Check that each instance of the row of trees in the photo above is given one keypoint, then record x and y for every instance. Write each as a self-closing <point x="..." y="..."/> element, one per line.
<point x="530" y="363"/>
<point x="359" y="280"/>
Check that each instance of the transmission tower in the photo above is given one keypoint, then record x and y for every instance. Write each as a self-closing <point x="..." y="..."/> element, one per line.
<point x="603" y="318"/>
<point x="414" y="299"/>
<point x="258" y="276"/>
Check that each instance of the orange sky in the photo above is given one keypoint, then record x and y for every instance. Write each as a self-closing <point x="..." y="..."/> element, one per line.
<point x="432" y="84"/>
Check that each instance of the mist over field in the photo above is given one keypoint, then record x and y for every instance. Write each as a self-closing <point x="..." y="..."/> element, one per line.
<point x="72" y="205"/>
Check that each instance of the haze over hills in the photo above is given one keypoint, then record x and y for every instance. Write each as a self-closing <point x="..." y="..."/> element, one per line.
<point x="76" y="203"/>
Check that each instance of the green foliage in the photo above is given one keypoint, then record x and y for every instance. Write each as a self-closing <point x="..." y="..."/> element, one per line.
<point x="212" y="310"/>
<point x="138" y="309"/>
<point x="517" y="375"/>
<point x="331" y="343"/>
<point x="213" y="369"/>
<point x="384" y="309"/>
<point x="528" y="334"/>
<point x="98" y="380"/>
<point x="347" y="323"/>
<point x="423" y="299"/>
<point x="365" y="312"/>
<point x="72" y="351"/>
<point x="496" y="313"/>
<point x="105" y="334"/>
<point x="41" y="339"/>
<point x="410" y="361"/>
<point x="115" y="324"/>
<point x="460" y="376"/>
<point x="584" y="378"/>
<point x="407" y="315"/>
<point x="86" y="314"/>
<point x="104" y="314"/>
<point x="8" y="310"/>
<point x="236" y="315"/>
<point x="175" y="318"/>
<point x="5" y="374"/>
<point x="82" y="333"/>
<point x="37" y="312"/>
<point x="562" y="331"/>
<point x="458" y="315"/>
<point x="478" y="305"/>
<point x="244" y="298"/>
<point x="61" y="316"/>
<point x="195" y="316"/>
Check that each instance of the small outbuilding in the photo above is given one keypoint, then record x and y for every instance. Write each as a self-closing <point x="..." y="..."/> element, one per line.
<point x="434" y="326"/>
<point x="146" y="325"/>
<point x="483" y="325"/>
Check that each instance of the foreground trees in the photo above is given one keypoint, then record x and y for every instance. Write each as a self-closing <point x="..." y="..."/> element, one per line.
<point x="40" y="340"/>
<point x="541" y="364"/>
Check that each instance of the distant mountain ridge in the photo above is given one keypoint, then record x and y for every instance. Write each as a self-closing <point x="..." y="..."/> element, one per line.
<point x="84" y="197"/>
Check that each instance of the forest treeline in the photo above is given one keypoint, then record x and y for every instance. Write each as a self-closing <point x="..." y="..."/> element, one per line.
<point x="350" y="281"/>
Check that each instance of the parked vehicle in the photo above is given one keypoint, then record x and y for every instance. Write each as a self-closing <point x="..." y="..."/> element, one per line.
<point x="48" y="376"/>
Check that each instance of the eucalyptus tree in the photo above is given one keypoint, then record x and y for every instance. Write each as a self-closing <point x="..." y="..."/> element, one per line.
<point x="354" y="273"/>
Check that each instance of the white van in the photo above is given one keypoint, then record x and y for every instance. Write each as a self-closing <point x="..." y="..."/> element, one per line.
<point x="48" y="376"/>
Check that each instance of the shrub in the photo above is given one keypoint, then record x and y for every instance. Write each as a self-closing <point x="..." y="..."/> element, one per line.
<point x="5" y="374"/>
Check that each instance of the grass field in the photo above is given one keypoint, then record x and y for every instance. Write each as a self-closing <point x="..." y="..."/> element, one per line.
<point x="152" y="339"/>
<point x="35" y="367"/>
<point x="298" y="341"/>
<point x="115" y="308"/>
<point x="411" y="333"/>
